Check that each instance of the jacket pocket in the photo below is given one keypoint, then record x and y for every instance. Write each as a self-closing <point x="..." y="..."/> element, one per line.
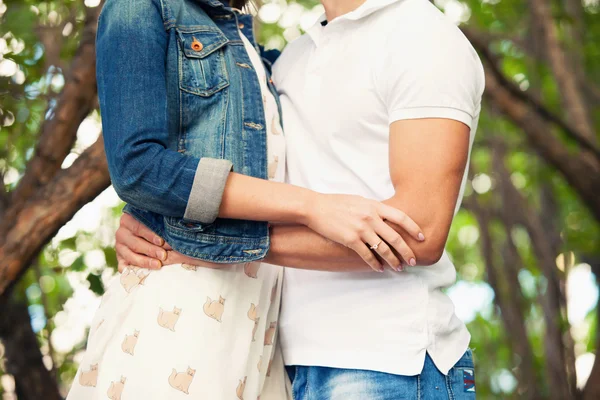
<point x="202" y="68"/>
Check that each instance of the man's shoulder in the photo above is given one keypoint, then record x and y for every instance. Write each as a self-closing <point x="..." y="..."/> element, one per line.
<point x="420" y="26"/>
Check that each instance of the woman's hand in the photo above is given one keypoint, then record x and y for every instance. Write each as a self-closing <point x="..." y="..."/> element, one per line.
<point x="137" y="245"/>
<point x="360" y="224"/>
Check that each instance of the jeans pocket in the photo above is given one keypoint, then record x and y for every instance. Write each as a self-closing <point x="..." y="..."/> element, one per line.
<point x="462" y="378"/>
<point x="463" y="383"/>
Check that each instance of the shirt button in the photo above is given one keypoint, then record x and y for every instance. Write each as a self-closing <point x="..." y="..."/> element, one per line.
<point x="241" y="26"/>
<point x="196" y="45"/>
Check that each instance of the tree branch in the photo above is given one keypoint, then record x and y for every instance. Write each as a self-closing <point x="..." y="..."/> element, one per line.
<point x="59" y="131"/>
<point x="576" y="30"/>
<point x="582" y="173"/>
<point x="50" y="209"/>
<point x="532" y="104"/>
<point x="572" y="98"/>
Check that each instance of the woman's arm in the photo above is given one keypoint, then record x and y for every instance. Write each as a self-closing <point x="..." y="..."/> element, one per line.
<point x="131" y="67"/>
<point x="427" y="189"/>
<point x="131" y="50"/>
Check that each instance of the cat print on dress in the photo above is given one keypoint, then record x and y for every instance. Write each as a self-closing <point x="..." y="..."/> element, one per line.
<point x="168" y="319"/>
<point x="253" y="315"/>
<point x="182" y="380"/>
<point x="251" y="269"/>
<point x="142" y="274"/>
<point x="131" y="278"/>
<point x="240" y="389"/>
<point x="129" y="342"/>
<point x="270" y="333"/>
<point x="116" y="389"/>
<point x="214" y="309"/>
<point x="89" y="378"/>
<point x="273" y="167"/>
<point x="189" y="267"/>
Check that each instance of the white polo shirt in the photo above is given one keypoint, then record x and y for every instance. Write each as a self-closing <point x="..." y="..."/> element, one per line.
<point x="341" y="86"/>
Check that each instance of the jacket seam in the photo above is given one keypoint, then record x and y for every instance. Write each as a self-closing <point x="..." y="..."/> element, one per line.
<point x="449" y="385"/>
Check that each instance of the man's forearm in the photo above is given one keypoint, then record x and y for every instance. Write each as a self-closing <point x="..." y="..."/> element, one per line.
<point x="297" y="246"/>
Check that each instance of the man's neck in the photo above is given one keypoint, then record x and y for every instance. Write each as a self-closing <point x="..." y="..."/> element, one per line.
<point x="337" y="8"/>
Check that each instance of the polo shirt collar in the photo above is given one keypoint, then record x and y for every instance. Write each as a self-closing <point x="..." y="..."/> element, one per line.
<point x="364" y="10"/>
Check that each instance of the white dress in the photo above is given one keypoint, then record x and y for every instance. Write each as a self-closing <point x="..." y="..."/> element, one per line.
<point x="191" y="333"/>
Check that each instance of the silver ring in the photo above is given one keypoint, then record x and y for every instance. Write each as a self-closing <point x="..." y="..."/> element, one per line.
<point x="376" y="246"/>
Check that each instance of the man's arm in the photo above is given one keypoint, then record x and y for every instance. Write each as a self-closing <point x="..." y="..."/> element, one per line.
<point x="427" y="161"/>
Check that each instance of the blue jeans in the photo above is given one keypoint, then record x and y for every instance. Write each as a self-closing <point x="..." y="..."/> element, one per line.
<point x="321" y="383"/>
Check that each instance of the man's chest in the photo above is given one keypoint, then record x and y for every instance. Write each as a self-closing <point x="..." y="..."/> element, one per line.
<point x="332" y="90"/>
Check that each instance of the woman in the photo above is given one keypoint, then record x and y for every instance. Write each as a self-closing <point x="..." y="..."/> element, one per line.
<point x="185" y="97"/>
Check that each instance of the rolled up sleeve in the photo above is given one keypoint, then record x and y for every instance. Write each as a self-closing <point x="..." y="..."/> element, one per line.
<point x="207" y="191"/>
<point x="131" y="72"/>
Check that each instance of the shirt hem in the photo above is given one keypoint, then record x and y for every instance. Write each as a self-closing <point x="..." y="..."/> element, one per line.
<point x="348" y="360"/>
<point x="432" y="112"/>
<point x="444" y="360"/>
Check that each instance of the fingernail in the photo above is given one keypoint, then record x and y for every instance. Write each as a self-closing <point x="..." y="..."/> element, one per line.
<point x="399" y="268"/>
<point x="158" y="241"/>
<point x="162" y="254"/>
<point x="156" y="264"/>
<point x="413" y="262"/>
<point x="381" y="269"/>
<point x="421" y="236"/>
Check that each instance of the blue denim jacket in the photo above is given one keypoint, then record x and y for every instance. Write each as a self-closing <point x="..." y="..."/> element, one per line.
<point x="181" y="106"/>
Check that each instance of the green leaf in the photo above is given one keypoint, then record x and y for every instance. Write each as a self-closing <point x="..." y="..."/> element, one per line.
<point x="111" y="257"/>
<point x="96" y="284"/>
<point x="70" y="243"/>
<point x="78" y="265"/>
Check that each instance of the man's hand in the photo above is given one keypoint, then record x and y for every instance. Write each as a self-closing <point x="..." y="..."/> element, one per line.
<point x="137" y="245"/>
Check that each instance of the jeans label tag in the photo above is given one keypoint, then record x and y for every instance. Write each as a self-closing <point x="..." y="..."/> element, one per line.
<point x="469" y="380"/>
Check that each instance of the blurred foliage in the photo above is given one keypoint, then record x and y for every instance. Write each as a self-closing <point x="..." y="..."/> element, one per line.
<point x="38" y="40"/>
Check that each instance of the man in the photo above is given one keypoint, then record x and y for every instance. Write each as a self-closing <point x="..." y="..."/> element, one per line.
<point x="381" y="99"/>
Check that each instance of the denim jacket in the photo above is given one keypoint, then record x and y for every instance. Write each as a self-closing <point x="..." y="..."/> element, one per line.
<point x="181" y="107"/>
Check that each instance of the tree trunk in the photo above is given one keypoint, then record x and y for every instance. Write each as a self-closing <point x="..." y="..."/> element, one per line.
<point x="23" y="357"/>
<point x="509" y="299"/>
<point x="50" y="209"/>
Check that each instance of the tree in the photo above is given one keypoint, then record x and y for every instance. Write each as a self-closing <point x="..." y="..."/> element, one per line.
<point x="531" y="219"/>
<point x="46" y="196"/>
